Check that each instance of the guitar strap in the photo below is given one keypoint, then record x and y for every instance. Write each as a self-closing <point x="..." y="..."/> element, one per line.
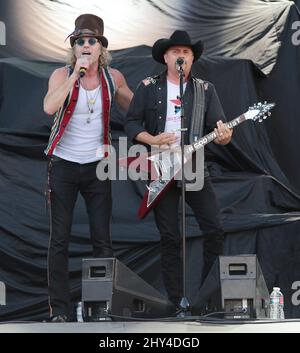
<point x="197" y="121"/>
<point x="196" y="132"/>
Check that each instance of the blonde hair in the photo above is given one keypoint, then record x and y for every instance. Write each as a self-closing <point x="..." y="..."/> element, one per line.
<point x="104" y="58"/>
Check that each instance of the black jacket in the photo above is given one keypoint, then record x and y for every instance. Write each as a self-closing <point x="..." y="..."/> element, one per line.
<point x="148" y="108"/>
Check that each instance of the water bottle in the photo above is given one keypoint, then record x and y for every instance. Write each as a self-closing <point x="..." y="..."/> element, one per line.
<point x="276" y="304"/>
<point x="79" y="310"/>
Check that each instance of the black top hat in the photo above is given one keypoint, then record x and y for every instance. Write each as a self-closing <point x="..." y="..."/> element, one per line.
<point x="88" y="25"/>
<point x="177" y="38"/>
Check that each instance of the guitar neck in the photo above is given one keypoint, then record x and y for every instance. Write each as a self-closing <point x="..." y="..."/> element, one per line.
<point x="212" y="135"/>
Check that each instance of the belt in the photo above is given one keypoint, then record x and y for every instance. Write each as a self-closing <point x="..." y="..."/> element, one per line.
<point x="55" y="159"/>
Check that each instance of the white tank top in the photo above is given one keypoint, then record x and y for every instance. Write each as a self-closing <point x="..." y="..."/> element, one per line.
<point x="173" y="117"/>
<point x="82" y="141"/>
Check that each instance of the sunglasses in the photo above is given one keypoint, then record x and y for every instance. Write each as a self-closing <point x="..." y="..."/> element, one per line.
<point x="80" y="41"/>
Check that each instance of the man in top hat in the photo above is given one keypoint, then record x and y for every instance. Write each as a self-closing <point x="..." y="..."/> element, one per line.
<point x="79" y="96"/>
<point x="154" y="119"/>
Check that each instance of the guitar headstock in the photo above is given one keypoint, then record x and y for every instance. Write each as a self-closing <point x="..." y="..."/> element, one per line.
<point x="259" y="111"/>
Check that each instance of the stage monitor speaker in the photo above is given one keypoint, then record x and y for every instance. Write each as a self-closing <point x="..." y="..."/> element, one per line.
<point x="2" y="294"/>
<point x="243" y="288"/>
<point x="109" y="289"/>
<point x="236" y="286"/>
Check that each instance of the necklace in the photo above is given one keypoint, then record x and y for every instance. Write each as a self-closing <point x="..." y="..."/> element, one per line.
<point x="91" y="100"/>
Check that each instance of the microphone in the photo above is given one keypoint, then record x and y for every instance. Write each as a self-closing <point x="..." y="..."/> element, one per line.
<point x="82" y="71"/>
<point x="180" y="61"/>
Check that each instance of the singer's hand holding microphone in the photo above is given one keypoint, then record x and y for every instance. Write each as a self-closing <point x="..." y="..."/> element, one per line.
<point x="83" y="64"/>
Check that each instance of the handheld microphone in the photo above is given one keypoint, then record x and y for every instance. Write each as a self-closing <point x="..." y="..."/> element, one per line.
<point x="83" y="69"/>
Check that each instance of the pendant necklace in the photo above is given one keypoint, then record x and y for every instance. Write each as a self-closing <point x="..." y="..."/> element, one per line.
<point x="91" y="100"/>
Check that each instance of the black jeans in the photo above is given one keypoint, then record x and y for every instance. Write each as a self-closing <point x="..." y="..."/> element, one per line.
<point x="206" y="210"/>
<point x="66" y="179"/>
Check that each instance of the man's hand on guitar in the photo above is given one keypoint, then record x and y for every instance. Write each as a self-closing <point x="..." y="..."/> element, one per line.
<point x="223" y="132"/>
<point x="164" y="140"/>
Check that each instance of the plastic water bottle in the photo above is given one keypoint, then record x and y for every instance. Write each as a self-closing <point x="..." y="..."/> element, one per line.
<point x="276" y="304"/>
<point x="79" y="310"/>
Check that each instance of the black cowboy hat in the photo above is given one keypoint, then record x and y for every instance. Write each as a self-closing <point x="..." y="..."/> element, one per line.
<point x="177" y="38"/>
<point x="88" y="25"/>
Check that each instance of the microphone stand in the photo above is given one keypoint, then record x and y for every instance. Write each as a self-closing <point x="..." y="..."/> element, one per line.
<point x="184" y="303"/>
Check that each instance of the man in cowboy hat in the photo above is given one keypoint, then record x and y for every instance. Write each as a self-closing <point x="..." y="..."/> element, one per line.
<point x="153" y="116"/>
<point x="80" y="96"/>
